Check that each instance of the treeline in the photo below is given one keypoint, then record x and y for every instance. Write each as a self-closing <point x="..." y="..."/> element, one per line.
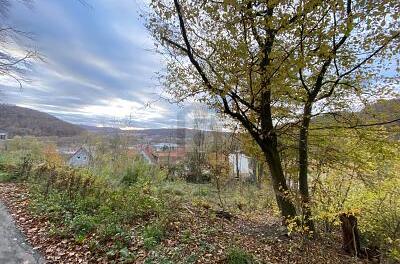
<point x="20" y="121"/>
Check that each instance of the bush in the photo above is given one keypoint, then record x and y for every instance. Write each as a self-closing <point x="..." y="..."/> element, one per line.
<point x="152" y="235"/>
<point x="24" y="169"/>
<point x="131" y="176"/>
<point x="5" y="177"/>
<point x="83" y="224"/>
<point x="379" y="219"/>
<point x="140" y="171"/>
<point x="239" y="256"/>
<point x="86" y="204"/>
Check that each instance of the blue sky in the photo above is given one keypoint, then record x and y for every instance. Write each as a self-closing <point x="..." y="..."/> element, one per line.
<point x="100" y="65"/>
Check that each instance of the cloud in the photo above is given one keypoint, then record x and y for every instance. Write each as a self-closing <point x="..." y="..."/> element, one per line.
<point x="98" y="65"/>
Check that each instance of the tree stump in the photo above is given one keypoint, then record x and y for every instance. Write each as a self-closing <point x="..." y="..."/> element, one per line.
<point x="350" y="235"/>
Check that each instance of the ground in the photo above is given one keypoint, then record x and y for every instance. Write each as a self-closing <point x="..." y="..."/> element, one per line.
<point x="194" y="235"/>
<point x="13" y="247"/>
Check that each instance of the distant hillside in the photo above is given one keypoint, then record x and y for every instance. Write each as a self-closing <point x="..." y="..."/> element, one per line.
<point x="165" y="132"/>
<point x="384" y="110"/>
<point x="102" y="130"/>
<point x="24" y="121"/>
<point x="176" y="135"/>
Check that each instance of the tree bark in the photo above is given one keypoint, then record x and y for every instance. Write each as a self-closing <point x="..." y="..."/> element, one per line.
<point x="286" y="206"/>
<point x="268" y="142"/>
<point x="303" y="167"/>
<point x="237" y="166"/>
<point x="351" y="238"/>
<point x="260" y="173"/>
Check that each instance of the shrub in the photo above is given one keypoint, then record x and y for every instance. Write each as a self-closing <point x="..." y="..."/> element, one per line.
<point x="83" y="224"/>
<point x="131" y="176"/>
<point x="86" y="204"/>
<point x="5" y="177"/>
<point x="152" y="235"/>
<point x="239" y="256"/>
<point x="379" y="219"/>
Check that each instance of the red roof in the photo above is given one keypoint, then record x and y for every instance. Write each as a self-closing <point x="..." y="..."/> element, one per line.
<point x="176" y="153"/>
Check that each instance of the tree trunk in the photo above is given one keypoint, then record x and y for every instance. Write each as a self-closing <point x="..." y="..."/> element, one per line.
<point x="286" y="206"/>
<point x="269" y="145"/>
<point x="303" y="167"/>
<point x="260" y="173"/>
<point x="351" y="238"/>
<point x="237" y="167"/>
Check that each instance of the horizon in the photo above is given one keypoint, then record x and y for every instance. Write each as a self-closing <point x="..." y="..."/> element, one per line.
<point x="99" y="67"/>
<point x="124" y="126"/>
<point x="99" y="64"/>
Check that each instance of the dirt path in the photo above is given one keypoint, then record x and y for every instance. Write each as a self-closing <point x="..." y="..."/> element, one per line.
<point x="13" y="247"/>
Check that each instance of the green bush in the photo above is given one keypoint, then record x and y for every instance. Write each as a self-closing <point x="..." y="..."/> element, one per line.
<point x="140" y="171"/>
<point x="86" y="204"/>
<point x="83" y="224"/>
<point x="239" y="256"/>
<point x="131" y="176"/>
<point x="152" y="235"/>
<point x="379" y="219"/>
<point x="5" y="177"/>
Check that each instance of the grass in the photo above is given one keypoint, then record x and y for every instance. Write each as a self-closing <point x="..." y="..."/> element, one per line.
<point x="5" y="177"/>
<point x="84" y="207"/>
<point x="99" y="211"/>
<point x="153" y="234"/>
<point x="239" y="256"/>
<point x="236" y="198"/>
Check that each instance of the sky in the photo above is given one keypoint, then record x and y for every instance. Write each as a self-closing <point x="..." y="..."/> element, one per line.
<point x="99" y="64"/>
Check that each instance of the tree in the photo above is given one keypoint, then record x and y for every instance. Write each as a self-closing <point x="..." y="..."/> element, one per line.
<point x="274" y="65"/>
<point x="15" y="56"/>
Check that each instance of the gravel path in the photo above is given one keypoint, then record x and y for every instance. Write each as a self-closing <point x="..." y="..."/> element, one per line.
<point x="13" y="247"/>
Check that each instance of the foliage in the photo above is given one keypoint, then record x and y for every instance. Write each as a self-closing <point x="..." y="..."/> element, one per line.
<point x="358" y="172"/>
<point x="238" y="256"/>
<point x="153" y="234"/>
<point x="379" y="221"/>
<point x="81" y="205"/>
<point x="118" y="164"/>
<point x="288" y="61"/>
<point x="353" y="171"/>
<point x="20" y="147"/>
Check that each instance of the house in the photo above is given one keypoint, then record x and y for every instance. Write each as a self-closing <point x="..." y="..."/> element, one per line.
<point x="165" y="146"/>
<point x="170" y="156"/>
<point x="3" y="135"/>
<point x="147" y="154"/>
<point x="81" y="158"/>
<point x="241" y="166"/>
<point x="163" y="154"/>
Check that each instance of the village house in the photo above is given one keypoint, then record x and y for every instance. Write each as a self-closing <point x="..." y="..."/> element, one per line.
<point x="241" y="166"/>
<point x="146" y="152"/>
<point x="170" y="156"/>
<point x="81" y="158"/>
<point x="3" y="135"/>
<point x="163" y="154"/>
<point x="165" y="146"/>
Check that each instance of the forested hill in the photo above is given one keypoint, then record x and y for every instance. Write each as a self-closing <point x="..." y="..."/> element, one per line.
<point x="385" y="110"/>
<point x="24" y="121"/>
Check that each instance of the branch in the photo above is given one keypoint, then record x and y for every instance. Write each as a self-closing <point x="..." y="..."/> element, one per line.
<point x="337" y="81"/>
<point x="175" y="44"/>
<point x="189" y="47"/>
<point x="321" y="75"/>
<point x="370" y="56"/>
<point x="253" y="27"/>
<point x="189" y="52"/>
<point x="356" y="126"/>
